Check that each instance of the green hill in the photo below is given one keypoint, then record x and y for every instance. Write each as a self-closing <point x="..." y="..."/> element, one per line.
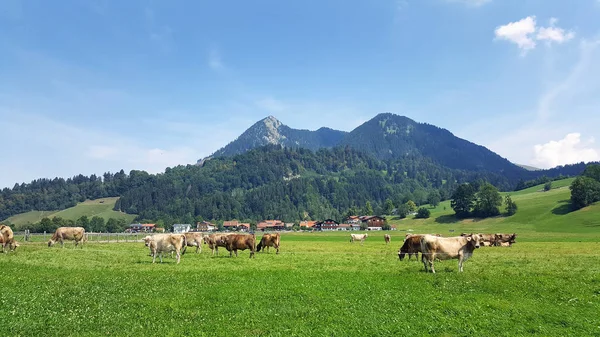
<point x="540" y="215"/>
<point x="99" y="207"/>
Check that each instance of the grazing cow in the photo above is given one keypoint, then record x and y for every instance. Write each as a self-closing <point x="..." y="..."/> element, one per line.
<point x="387" y="238"/>
<point x="487" y="240"/>
<point x="7" y="239"/>
<point x="166" y="243"/>
<point x="360" y="237"/>
<point x="458" y="247"/>
<point x="505" y="240"/>
<point x="235" y="242"/>
<point x="193" y="239"/>
<point x="269" y="240"/>
<point x="214" y="241"/>
<point x="411" y="245"/>
<point x="76" y="234"/>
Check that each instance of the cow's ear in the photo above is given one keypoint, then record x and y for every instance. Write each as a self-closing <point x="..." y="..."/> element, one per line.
<point x="469" y="238"/>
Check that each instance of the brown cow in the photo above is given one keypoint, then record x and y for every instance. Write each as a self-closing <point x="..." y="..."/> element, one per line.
<point x="387" y="238"/>
<point x="76" y="234"/>
<point x="505" y="240"/>
<point x="7" y="239"/>
<point x="411" y="245"/>
<point x="216" y="240"/>
<point x="269" y="240"/>
<point x="236" y="242"/>
<point x="166" y="243"/>
<point x="457" y="247"/>
<point x="194" y="239"/>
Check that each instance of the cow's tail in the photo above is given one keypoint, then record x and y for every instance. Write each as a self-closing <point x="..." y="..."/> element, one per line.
<point x="184" y="245"/>
<point x="259" y="246"/>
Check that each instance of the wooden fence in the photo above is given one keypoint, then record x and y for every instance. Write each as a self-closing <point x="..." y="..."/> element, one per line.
<point x="91" y="237"/>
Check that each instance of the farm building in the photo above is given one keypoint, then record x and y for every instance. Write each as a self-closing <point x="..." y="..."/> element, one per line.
<point x="205" y="226"/>
<point x="348" y="227"/>
<point x="181" y="228"/>
<point x="327" y="225"/>
<point x="307" y="224"/>
<point x="138" y="227"/>
<point x="235" y="225"/>
<point x="274" y="225"/>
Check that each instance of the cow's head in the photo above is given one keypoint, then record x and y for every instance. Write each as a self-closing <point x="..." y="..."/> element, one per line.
<point x="147" y="240"/>
<point x="50" y="242"/>
<point x="475" y="240"/>
<point x="13" y="245"/>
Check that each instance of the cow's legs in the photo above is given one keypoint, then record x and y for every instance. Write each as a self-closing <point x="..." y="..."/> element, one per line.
<point x="236" y="253"/>
<point x="431" y="260"/>
<point x="178" y="257"/>
<point x="277" y="249"/>
<point x="153" y="256"/>
<point x="424" y="262"/>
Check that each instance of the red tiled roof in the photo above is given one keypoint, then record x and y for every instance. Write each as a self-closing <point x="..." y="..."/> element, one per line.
<point x="233" y="223"/>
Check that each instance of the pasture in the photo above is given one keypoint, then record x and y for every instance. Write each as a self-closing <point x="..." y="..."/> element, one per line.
<point x="320" y="284"/>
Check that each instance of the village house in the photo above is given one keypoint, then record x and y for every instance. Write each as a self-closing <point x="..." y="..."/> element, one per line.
<point x="374" y="222"/>
<point x="326" y="225"/>
<point x="205" y="226"/>
<point x="138" y="227"/>
<point x="348" y="227"/>
<point x="181" y="228"/>
<point x="307" y="224"/>
<point x="235" y="225"/>
<point x="274" y="225"/>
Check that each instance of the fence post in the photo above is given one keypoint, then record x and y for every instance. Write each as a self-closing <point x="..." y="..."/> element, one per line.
<point x="44" y="235"/>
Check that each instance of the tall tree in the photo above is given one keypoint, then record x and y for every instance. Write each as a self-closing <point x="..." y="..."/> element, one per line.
<point x="584" y="191"/>
<point x="434" y="198"/>
<point x="488" y="201"/>
<point x="388" y="207"/>
<point x="511" y="206"/>
<point x="463" y="200"/>
<point x="368" y="208"/>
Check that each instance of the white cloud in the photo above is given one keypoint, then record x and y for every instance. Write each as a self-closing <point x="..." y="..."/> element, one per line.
<point x="473" y="3"/>
<point x="519" y="32"/>
<point x="523" y="33"/>
<point x="568" y="150"/>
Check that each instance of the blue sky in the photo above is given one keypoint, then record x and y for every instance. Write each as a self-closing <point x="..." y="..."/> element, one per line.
<point x="90" y="86"/>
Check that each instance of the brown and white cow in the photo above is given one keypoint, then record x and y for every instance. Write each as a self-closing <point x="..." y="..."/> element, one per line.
<point x="194" y="239"/>
<point x="7" y="239"/>
<point x="166" y="243"/>
<point x="487" y="240"/>
<point x="505" y="239"/>
<point x="269" y="240"/>
<point x="216" y="240"/>
<point x="235" y="242"/>
<point x="387" y="238"/>
<point x="457" y="247"/>
<point x="76" y="234"/>
<point x="358" y="237"/>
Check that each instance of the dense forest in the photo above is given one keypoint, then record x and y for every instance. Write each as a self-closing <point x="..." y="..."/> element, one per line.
<point x="267" y="182"/>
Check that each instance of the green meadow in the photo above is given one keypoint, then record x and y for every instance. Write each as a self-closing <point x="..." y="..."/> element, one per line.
<point x="547" y="284"/>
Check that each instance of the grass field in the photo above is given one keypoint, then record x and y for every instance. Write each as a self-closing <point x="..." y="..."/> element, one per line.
<point x="99" y="207"/>
<point x="547" y="284"/>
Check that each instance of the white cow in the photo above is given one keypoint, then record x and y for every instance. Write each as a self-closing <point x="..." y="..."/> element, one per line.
<point x="360" y="237"/>
<point x="166" y="243"/>
<point x="457" y="247"/>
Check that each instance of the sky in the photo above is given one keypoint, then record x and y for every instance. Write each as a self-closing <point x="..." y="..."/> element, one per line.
<point x="90" y="86"/>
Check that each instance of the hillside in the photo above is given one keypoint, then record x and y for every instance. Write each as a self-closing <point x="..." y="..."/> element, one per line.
<point x="270" y="131"/>
<point x="542" y="215"/>
<point x="99" y="207"/>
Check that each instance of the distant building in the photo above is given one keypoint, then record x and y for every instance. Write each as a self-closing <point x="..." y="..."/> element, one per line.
<point x="348" y="227"/>
<point x="235" y="225"/>
<point x="274" y="225"/>
<point x="181" y="228"/>
<point x="327" y="225"/>
<point x="205" y="226"/>
<point x="138" y="227"/>
<point x="307" y="224"/>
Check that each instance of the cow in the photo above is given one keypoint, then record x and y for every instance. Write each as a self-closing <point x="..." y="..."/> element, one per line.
<point x="360" y="237"/>
<point x="457" y="247"/>
<point x="214" y="241"/>
<point x="235" y="242"/>
<point x="505" y="240"/>
<point x="387" y="238"/>
<point x="487" y="240"/>
<point x="194" y="239"/>
<point x="166" y="243"/>
<point x="7" y="239"/>
<point x="76" y="234"/>
<point x="269" y="240"/>
<point x="411" y="245"/>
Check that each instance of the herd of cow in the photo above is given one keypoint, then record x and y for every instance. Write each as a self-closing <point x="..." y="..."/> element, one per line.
<point x="431" y="247"/>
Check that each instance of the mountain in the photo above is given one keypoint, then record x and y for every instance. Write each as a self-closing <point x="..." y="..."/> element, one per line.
<point x="528" y="168"/>
<point x="271" y="131"/>
<point x="389" y="136"/>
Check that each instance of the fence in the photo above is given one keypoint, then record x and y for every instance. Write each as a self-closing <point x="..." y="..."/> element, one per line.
<point x="91" y="237"/>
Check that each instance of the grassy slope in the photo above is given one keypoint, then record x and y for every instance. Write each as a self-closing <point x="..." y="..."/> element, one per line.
<point x="99" y="207"/>
<point x="547" y="284"/>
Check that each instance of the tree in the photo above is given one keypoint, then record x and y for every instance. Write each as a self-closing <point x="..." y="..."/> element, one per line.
<point x="463" y="200"/>
<point x="488" y="201"/>
<point x="84" y="222"/>
<point x="386" y="226"/>
<point x="423" y="213"/>
<point x="411" y="206"/>
<point x="511" y="206"/>
<point x="592" y="171"/>
<point x="548" y="186"/>
<point x="368" y="209"/>
<point x="364" y="226"/>
<point x="97" y="224"/>
<point x="434" y="198"/>
<point x="584" y="191"/>
<point x="388" y="207"/>
<point x="402" y="211"/>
